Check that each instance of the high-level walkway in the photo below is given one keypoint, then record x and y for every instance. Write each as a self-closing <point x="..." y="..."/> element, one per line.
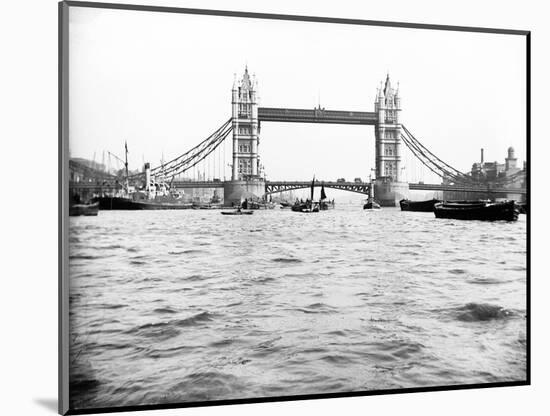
<point x="317" y="115"/>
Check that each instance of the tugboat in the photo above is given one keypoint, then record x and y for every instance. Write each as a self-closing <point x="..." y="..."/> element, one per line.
<point x="371" y="203"/>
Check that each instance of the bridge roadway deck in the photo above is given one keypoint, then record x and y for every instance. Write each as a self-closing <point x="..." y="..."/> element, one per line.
<point x="281" y="186"/>
<point x="317" y="115"/>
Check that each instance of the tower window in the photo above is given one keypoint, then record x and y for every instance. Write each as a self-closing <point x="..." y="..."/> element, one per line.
<point x="245" y="166"/>
<point x="389" y="134"/>
<point x="390" y="169"/>
<point x="244" y="148"/>
<point x="244" y="110"/>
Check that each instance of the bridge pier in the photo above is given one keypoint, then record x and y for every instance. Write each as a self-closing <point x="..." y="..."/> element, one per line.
<point x="389" y="193"/>
<point x="235" y="191"/>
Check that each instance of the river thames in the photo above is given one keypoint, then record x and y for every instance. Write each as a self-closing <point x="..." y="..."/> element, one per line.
<point x="185" y="306"/>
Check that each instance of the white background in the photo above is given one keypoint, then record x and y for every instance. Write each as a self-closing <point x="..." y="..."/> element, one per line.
<point x="28" y="216"/>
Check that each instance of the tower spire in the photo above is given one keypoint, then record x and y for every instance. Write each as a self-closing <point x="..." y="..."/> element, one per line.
<point x="387" y="87"/>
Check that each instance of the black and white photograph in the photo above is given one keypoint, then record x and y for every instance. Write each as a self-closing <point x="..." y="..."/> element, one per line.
<point x="264" y="207"/>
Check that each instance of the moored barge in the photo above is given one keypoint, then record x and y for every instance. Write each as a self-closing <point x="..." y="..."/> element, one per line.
<point x="482" y="210"/>
<point x="418" y="206"/>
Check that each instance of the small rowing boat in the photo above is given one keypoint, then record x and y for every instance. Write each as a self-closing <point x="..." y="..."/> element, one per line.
<point x="83" y="209"/>
<point x="238" y="212"/>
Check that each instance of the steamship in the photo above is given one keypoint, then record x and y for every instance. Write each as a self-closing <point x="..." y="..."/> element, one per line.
<point x="154" y="196"/>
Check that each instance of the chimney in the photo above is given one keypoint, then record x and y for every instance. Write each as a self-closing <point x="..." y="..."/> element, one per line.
<point x="482" y="156"/>
<point x="147" y="169"/>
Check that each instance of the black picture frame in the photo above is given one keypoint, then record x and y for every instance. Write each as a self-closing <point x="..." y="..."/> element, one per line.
<point x="63" y="195"/>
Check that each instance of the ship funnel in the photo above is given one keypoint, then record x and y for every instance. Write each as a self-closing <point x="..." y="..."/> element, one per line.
<point x="147" y="170"/>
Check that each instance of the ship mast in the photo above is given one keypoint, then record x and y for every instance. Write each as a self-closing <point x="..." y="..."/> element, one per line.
<point x="126" y="165"/>
<point x="371" y="188"/>
<point x="125" y="161"/>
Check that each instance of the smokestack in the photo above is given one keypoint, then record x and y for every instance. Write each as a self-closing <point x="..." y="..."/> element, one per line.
<point x="482" y="156"/>
<point x="147" y="169"/>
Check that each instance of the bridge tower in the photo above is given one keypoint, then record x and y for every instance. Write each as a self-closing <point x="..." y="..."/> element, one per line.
<point x="387" y="106"/>
<point x="245" y="176"/>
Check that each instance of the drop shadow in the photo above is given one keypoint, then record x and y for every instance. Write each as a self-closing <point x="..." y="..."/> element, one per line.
<point x="49" y="404"/>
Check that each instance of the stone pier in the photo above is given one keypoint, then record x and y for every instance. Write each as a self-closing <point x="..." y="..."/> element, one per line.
<point x="389" y="193"/>
<point x="235" y="191"/>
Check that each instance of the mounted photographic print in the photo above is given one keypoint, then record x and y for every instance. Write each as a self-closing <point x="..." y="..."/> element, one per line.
<point x="262" y="207"/>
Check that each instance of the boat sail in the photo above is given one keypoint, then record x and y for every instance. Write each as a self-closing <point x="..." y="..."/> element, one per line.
<point x="323" y="203"/>
<point x="323" y="194"/>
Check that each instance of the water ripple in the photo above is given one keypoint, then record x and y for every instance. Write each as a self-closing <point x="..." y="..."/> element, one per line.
<point x="179" y="306"/>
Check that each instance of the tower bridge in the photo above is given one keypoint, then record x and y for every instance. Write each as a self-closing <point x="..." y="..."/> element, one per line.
<point x="247" y="116"/>
<point x="247" y="176"/>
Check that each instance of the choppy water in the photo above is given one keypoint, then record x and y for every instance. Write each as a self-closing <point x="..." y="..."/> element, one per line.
<point x="176" y="306"/>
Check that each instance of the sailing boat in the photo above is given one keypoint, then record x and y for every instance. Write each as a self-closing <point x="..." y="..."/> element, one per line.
<point x="309" y="205"/>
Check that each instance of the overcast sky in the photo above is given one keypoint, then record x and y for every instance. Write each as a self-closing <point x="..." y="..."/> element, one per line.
<point x="163" y="83"/>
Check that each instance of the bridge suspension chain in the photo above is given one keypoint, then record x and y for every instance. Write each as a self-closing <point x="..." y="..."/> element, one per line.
<point x="193" y="156"/>
<point x="197" y="155"/>
<point x="431" y="161"/>
<point x="444" y="170"/>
